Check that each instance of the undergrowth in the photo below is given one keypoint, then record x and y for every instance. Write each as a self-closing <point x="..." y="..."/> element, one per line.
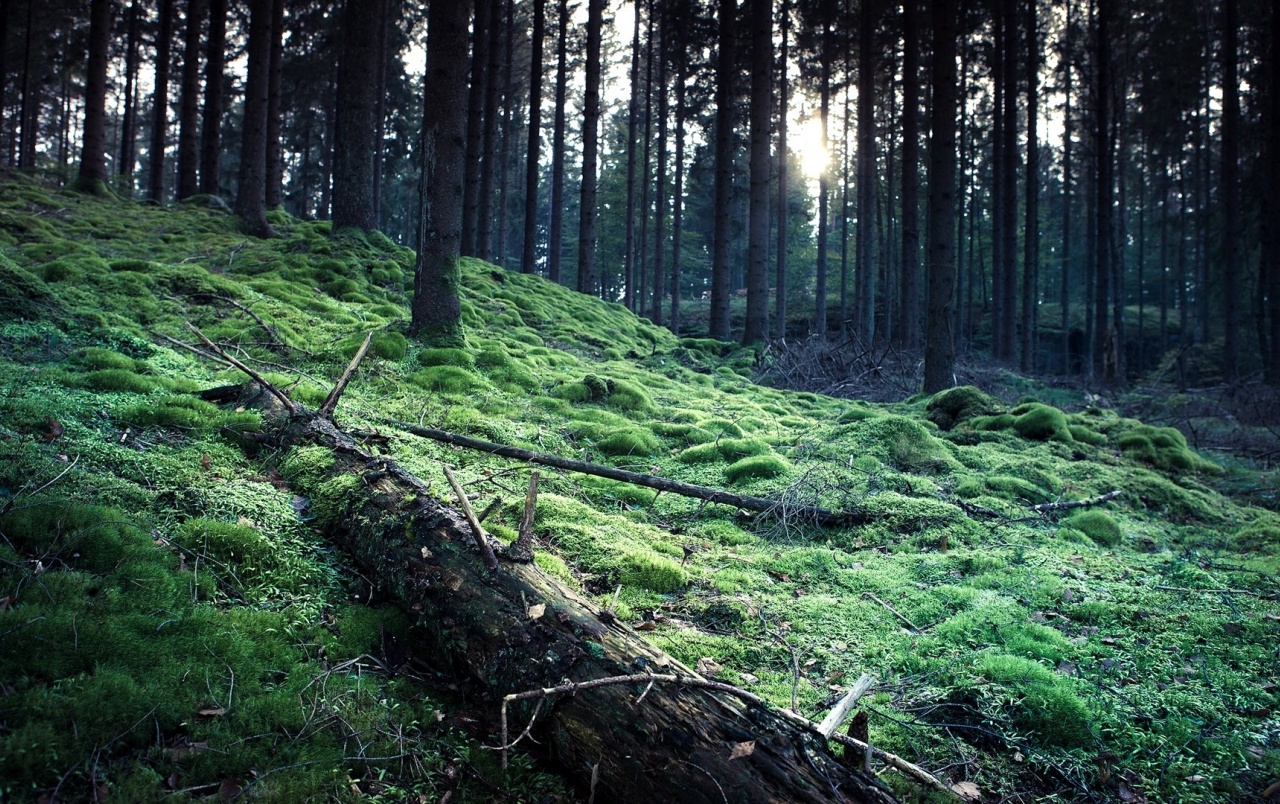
<point x="172" y="620"/>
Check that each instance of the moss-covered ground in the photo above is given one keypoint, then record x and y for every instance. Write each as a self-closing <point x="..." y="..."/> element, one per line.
<point x="172" y="622"/>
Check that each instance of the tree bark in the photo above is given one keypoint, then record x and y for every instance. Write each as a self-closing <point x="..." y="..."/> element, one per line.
<point x="1271" y="228"/>
<point x="5" y="6"/>
<point x="909" y="288"/>
<point x="528" y="257"/>
<point x="660" y="180"/>
<point x="824" y="179"/>
<point x="475" y="126"/>
<point x="726" y="74"/>
<point x="633" y="120"/>
<point x="1064" y="299"/>
<point x="555" y="238"/>
<point x="517" y="629"/>
<point x="756" y="325"/>
<point x="189" y="105"/>
<point x="353" y="203"/>
<point x="864" y="256"/>
<point x="274" y="153"/>
<point x="489" y="146"/>
<point x="385" y="12"/>
<point x="251" y="194"/>
<point x="1031" y="227"/>
<point x="1103" y="193"/>
<point x="1230" y="194"/>
<point x="211" y="131"/>
<point x="160" y="103"/>
<point x="436" y="308"/>
<point x="677" y="199"/>
<point x="502" y="227"/>
<point x="587" y="282"/>
<point x="939" y="350"/>
<point x="128" y="123"/>
<point x="1009" y="189"/>
<point x="93" y="163"/>
<point x="780" y="268"/>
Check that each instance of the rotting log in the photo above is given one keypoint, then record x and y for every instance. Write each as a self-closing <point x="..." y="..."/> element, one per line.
<point x="763" y="505"/>
<point x="517" y="629"/>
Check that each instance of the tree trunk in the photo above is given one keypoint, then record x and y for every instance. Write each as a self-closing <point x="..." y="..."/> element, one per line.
<point x="128" y="123"/>
<point x="489" y="147"/>
<point x="590" y="149"/>
<point x="642" y="259"/>
<point x="5" y="6"/>
<point x="1031" y="228"/>
<point x="1103" y="189"/>
<point x="633" y="120"/>
<point x="939" y="350"/>
<point x="528" y="257"/>
<point x="824" y="180"/>
<point x="189" y="105"/>
<point x="475" y="127"/>
<point x="555" y="235"/>
<point x="1009" y="176"/>
<point x="1064" y="299"/>
<point x="864" y="255"/>
<point x="999" y="304"/>
<point x="385" y="11"/>
<point x="275" y="154"/>
<point x="93" y="163"/>
<point x="677" y="200"/>
<point x="909" y="290"/>
<point x="211" y="131"/>
<point x="1271" y="228"/>
<point x="756" y="327"/>
<point x="353" y="202"/>
<point x="160" y="102"/>
<point x="508" y="134"/>
<point x="516" y="628"/>
<point x="436" y="308"/>
<point x="726" y="74"/>
<point x="660" y="181"/>
<point x="251" y="194"/>
<point x="780" y="269"/>
<point x="1230" y="194"/>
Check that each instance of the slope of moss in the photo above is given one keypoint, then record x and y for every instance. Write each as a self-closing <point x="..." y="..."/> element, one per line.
<point x="149" y="558"/>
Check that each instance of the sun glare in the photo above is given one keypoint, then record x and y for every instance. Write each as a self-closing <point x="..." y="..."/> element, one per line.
<point x="808" y="145"/>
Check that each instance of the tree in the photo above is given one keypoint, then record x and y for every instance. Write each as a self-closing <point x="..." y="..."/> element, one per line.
<point x="211" y="127"/>
<point x="128" y="123"/>
<point x="1271" y="220"/>
<point x="780" y="270"/>
<point x="939" y="348"/>
<point x="489" y="146"/>
<point x="353" y="202"/>
<point x="251" y="198"/>
<point x="1230" y="193"/>
<point x="865" y="255"/>
<point x="436" y="307"/>
<point x="1031" y="225"/>
<point x="756" y="325"/>
<point x="909" y="279"/>
<point x="726" y="73"/>
<point x="189" y="105"/>
<point x="475" y="126"/>
<point x="555" y="227"/>
<point x="528" y="260"/>
<point x="275" y="157"/>
<point x="160" y="102"/>
<point x="1104" y="340"/>
<point x="93" y="164"/>
<point x="590" y="149"/>
<point x="660" y="186"/>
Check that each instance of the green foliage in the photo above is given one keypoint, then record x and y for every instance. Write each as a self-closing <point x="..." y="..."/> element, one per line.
<point x="758" y="467"/>
<point x="1038" y="422"/>
<point x="1046" y="706"/>
<point x="444" y="356"/>
<point x="1097" y="525"/>
<point x="384" y="345"/>
<point x="624" y="441"/>
<point x="447" y="380"/>
<point x="1164" y="448"/>
<point x="955" y="405"/>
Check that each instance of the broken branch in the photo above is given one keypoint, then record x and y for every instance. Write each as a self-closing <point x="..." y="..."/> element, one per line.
<point x="1067" y="504"/>
<point x="255" y="376"/>
<point x="490" y="560"/>
<point x="837" y="716"/>
<point x="331" y="401"/>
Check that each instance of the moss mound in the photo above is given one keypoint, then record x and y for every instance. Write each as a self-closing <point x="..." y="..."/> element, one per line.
<point x="1164" y="448"/>
<point x="956" y="405"/>
<point x="1097" y="525"/>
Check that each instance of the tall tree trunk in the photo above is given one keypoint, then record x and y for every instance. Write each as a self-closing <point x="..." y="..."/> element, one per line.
<point x="864" y="255"/>
<point x="1271" y="218"/>
<point x="329" y="147"/>
<point x="1000" y="306"/>
<point x="660" y="187"/>
<point x="128" y="124"/>
<point x="251" y="196"/>
<point x="780" y="269"/>
<point x="160" y="102"/>
<point x="489" y="149"/>
<point x="1064" y="298"/>
<point x="633" y="119"/>
<point x="508" y="132"/>
<point x="385" y="10"/>
<point x="1230" y="193"/>
<point x="528" y="257"/>
<point x="756" y="327"/>
<point x="211" y="131"/>
<point x="642" y="259"/>
<point x="1031" y="225"/>
<point x="824" y="178"/>
<point x="353" y="201"/>
<point x="189" y="105"/>
<point x="909" y="291"/>
<point x="93" y="163"/>
<point x="555" y="239"/>
<point x="5" y="6"/>
<point x="939" y="349"/>
<point x="475" y="128"/>
<point x="1009" y="174"/>
<point x="677" y="200"/>
<point x="845" y="119"/>
<point x="590" y="149"/>
<point x="436" y="307"/>
<point x="275" y="153"/>
<point x="1104" y="342"/>
<point x="726" y="78"/>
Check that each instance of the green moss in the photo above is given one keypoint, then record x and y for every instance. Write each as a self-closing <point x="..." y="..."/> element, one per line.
<point x="1015" y="488"/>
<point x="447" y="380"/>
<point x="1038" y="422"/>
<point x="733" y="449"/>
<point x="700" y="453"/>
<point x="721" y="426"/>
<point x="1087" y="435"/>
<point x="444" y="356"/>
<point x="902" y="442"/>
<point x="652" y="571"/>
<point x="1045" y="706"/>
<point x="1259" y="536"/>
<point x="1164" y="448"/>
<point x="955" y="405"/>
<point x="95" y="357"/>
<point x="628" y="441"/>
<point x="687" y="433"/>
<point x="1097" y="525"/>
<point x="758" y="467"/>
<point x="119" y="380"/>
<point x="384" y="345"/>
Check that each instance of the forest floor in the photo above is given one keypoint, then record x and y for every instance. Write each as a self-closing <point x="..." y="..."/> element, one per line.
<point x="172" y="624"/>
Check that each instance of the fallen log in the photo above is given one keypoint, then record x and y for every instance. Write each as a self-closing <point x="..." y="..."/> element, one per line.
<point x="746" y="502"/>
<point x="517" y="629"/>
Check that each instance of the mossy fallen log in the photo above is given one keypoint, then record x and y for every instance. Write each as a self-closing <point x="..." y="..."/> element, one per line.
<point x="517" y="629"/>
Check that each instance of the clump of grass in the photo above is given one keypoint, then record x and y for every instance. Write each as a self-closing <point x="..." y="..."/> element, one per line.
<point x="1097" y="525"/>
<point x="624" y="441"/>
<point x="384" y="345"/>
<point x="1045" y="706"/>
<point x="447" y="380"/>
<point x="757" y="467"/>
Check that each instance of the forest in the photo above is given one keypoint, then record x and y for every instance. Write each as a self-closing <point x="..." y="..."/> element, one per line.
<point x="639" y="400"/>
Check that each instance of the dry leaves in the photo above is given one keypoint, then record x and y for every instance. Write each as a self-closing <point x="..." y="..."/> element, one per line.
<point x="536" y="611"/>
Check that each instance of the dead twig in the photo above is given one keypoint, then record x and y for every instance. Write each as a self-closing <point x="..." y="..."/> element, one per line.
<point x="331" y="401"/>
<point x="490" y="560"/>
<point x="258" y="378"/>
<point x="892" y="611"/>
<point x="841" y="711"/>
<point x="1068" y="504"/>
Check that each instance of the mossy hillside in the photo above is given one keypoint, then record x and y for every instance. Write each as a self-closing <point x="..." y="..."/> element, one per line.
<point x="1091" y="616"/>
